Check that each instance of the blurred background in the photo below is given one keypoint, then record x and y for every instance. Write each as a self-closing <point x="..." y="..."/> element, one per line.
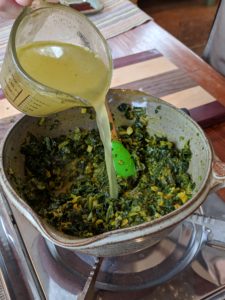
<point x="189" y="21"/>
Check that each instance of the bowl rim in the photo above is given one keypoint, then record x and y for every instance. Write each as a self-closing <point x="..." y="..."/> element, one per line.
<point x="118" y="235"/>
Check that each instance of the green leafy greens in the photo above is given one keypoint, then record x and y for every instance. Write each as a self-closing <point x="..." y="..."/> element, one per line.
<point x="67" y="185"/>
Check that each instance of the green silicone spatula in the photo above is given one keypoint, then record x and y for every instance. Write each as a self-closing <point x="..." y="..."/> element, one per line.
<point x="122" y="160"/>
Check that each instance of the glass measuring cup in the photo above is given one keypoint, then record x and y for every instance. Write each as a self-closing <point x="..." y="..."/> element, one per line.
<point x="47" y="23"/>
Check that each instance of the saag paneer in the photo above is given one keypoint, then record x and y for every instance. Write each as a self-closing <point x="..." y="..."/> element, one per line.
<point x="67" y="185"/>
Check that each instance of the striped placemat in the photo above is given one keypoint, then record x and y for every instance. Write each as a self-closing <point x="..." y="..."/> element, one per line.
<point x="153" y="73"/>
<point x="117" y="17"/>
<point x="5" y="27"/>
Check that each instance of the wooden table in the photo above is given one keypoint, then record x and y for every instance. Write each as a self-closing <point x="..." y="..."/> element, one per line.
<point x="151" y="36"/>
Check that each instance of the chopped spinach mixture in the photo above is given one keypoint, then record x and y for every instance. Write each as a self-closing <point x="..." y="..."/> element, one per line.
<point x="67" y="185"/>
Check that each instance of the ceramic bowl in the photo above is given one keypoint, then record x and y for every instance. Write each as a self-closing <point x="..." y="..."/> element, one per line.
<point x="167" y="120"/>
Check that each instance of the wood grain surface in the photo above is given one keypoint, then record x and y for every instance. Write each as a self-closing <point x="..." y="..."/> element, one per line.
<point x="148" y="72"/>
<point x="152" y="36"/>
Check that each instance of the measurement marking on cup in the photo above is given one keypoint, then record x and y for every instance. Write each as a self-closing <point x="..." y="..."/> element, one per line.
<point x="23" y="100"/>
<point x="18" y="95"/>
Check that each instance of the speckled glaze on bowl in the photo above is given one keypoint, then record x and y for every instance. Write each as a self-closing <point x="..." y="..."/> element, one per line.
<point x="164" y="119"/>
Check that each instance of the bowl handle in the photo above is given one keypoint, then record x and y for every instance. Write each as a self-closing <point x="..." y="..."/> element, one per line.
<point x="218" y="169"/>
<point x="218" y="173"/>
<point x="215" y="227"/>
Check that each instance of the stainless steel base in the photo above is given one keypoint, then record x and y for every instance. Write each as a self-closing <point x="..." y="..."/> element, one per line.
<point x="179" y="267"/>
